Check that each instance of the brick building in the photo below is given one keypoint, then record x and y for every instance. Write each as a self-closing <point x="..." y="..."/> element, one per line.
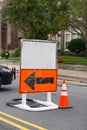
<point x="8" y="34"/>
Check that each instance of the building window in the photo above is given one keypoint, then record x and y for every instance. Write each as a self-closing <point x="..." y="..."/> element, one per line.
<point x="74" y="36"/>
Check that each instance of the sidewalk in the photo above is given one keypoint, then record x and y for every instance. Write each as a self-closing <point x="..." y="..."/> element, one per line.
<point x="69" y="75"/>
<point x="73" y="75"/>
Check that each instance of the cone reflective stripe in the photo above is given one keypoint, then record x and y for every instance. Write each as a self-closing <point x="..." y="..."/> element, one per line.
<point x="63" y="93"/>
<point x="64" y="101"/>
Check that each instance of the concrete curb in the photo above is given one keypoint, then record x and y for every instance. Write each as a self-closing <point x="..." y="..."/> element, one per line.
<point x="73" y="78"/>
<point x="69" y="75"/>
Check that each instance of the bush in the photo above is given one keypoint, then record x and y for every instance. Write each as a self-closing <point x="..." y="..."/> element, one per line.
<point x="60" y="60"/>
<point x="60" y="52"/>
<point x="3" y="54"/>
<point x="77" y="45"/>
<point x="82" y="54"/>
<point x="17" y="52"/>
<point x="68" y="53"/>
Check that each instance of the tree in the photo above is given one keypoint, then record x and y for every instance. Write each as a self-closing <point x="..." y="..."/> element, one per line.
<point x="77" y="17"/>
<point x="37" y="18"/>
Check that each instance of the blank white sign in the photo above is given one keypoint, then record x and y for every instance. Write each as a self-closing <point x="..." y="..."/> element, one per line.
<point x="38" y="54"/>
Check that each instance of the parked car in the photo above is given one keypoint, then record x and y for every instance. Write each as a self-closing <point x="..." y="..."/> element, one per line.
<point x="6" y="75"/>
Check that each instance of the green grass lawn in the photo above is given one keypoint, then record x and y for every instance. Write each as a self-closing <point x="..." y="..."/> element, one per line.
<point x="74" y="59"/>
<point x="66" y="59"/>
<point x="11" y="58"/>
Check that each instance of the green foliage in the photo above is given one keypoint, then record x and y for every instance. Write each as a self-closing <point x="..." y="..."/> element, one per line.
<point x="37" y="18"/>
<point x="82" y="54"/>
<point x="17" y="52"/>
<point x="77" y="45"/>
<point x="3" y="53"/>
<point x="60" y="52"/>
<point x="78" y="18"/>
<point x="60" y="60"/>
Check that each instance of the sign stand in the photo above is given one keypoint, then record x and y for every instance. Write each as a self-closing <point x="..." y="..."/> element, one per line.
<point x="38" y="73"/>
<point x="44" y="105"/>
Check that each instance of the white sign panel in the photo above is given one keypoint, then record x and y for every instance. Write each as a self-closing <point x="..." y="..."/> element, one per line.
<point x="38" y="54"/>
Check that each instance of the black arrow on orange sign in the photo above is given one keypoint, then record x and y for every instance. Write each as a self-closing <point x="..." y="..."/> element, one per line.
<point x="31" y="80"/>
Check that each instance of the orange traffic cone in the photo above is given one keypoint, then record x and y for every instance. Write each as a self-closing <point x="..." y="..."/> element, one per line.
<point x="64" y="102"/>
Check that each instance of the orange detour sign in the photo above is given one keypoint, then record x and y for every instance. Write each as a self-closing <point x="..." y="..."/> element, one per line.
<point x="38" y="73"/>
<point x="36" y="80"/>
<point x="38" y="70"/>
<point x="64" y="102"/>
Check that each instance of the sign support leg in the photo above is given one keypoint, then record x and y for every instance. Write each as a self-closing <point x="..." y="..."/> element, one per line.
<point x="48" y="96"/>
<point x="24" y="99"/>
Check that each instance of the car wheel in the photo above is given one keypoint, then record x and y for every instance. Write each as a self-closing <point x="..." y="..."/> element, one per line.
<point x="0" y="81"/>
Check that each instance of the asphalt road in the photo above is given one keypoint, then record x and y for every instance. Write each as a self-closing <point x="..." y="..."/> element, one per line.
<point x="12" y="118"/>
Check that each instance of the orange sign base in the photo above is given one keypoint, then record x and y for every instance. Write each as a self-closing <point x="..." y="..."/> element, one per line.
<point x="38" y="80"/>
